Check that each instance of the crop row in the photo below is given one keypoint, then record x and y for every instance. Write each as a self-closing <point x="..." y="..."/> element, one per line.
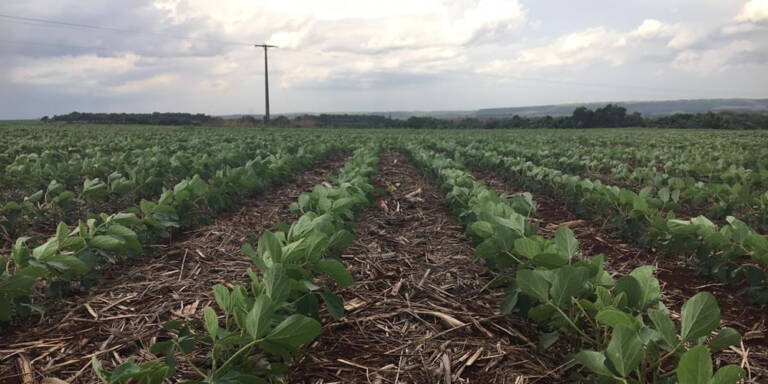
<point x="736" y="191"/>
<point x="127" y="177"/>
<point x="732" y="252"/>
<point x="86" y="142"/>
<point x="620" y="328"/>
<point x="277" y="311"/>
<point x="707" y="158"/>
<point x="72" y="166"/>
<point x="75" y="253"/>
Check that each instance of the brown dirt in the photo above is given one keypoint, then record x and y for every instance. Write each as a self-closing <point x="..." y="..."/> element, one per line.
<point x="678" y="281"/>
<point x="124" y="313"/>
<point x="413" y="265"/>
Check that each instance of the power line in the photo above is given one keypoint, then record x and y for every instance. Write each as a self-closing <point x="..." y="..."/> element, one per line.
<point x="45" y="22"/>
<point x="19" y="42"/>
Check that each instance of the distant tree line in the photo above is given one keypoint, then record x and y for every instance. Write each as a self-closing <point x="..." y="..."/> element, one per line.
<point x="610" y="116"/>
<point x="156" y="118"/>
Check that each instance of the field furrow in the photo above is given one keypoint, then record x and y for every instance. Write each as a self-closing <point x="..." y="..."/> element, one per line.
<point x="420" y="311"/>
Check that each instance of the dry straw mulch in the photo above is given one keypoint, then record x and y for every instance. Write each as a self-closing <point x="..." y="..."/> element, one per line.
<point x="420" y="310"/>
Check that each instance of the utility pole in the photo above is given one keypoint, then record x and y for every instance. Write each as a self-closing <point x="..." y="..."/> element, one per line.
<point x="266" y="79"/>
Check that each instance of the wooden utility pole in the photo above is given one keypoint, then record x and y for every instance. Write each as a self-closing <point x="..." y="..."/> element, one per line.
<point x="266" y="79"/>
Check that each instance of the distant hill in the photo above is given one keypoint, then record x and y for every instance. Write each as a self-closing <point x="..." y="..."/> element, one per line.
<point x="647" y="108"/>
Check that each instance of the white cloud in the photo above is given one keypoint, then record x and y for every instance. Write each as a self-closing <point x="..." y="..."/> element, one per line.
<point x="155" y="81"/>
<point x="76" y="70"/>
<point x="679" y="36"/>
<point x="712" y="60"/>
<point x="652" y="28"/>
<point x="87" y="73"/>
<point x="754" y="11"/>
<point x="366" y="25"/>
<point x="593" y="44"/>
<point x="352" y="37"/>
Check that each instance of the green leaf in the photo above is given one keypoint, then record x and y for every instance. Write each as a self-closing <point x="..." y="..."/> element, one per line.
<point x="665" y="326"/>
<point x="277" y="283"/>
<point x="593" y="360"/>
<point x="5" y="309"/>
<point x="308" y="305"/>
<point x="248" y="250"/>
<point x="336" y="270"/>
<point x="649" y="286"/>
<point x="99" y="370"/>
<point x="295" y="331"/>
<point x="613" y="317"/>
<point x="541" y="313"/>
<point x="695" y="366"/>
<point x="35" y="197"/>
<point x="221" y="294"/>
<point x="269" y="247"/>
<point x="61" y="232"/>
<point x="568" y="282"/>
<point x="211" y="321"/>
<point x="724" y="339"/>
<point x="16" y="285"/>
<point x="547" y="339"/>
<point x="566" y="242"/>
<point x="625" y="351"/>
<point x="105" y="242"/>
<point x="533" y="284"/>
<point x="509" y="302"/>
<point x="333" y="303"/>
<point x="483" y="229"/>
<point x="641" y="287"/>
<point x="304" y="200"/>
<point x="730" y="374"/>
<point x="527" y="247"/>
<point x="551" y="260"/>
<point x="681" y="228"/>
<point x="45" y="251"/>
<point x="67" y="263"/>
<point x="700" y="315"/>
<point x="664" y="194"/>
<point x="341" y="239"/>
<point x="259" y="317"/>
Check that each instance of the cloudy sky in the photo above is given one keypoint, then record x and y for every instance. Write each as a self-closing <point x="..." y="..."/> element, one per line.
<point x="360" y="55"/>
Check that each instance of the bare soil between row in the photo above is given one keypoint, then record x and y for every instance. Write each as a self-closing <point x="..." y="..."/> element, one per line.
<point x="420" y="310"/>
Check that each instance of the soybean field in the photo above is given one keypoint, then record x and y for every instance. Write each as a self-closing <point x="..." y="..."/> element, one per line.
<point x="156" y="254"/>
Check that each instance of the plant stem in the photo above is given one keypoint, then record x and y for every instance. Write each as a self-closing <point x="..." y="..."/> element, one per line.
<point x="583" y="311"/>
<point x="572" y="324"/>
<point x="513" y="256"/>
<point x="236" y="354"/>
<point x="184" y="355"/>
<point x="664" y="357"/>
